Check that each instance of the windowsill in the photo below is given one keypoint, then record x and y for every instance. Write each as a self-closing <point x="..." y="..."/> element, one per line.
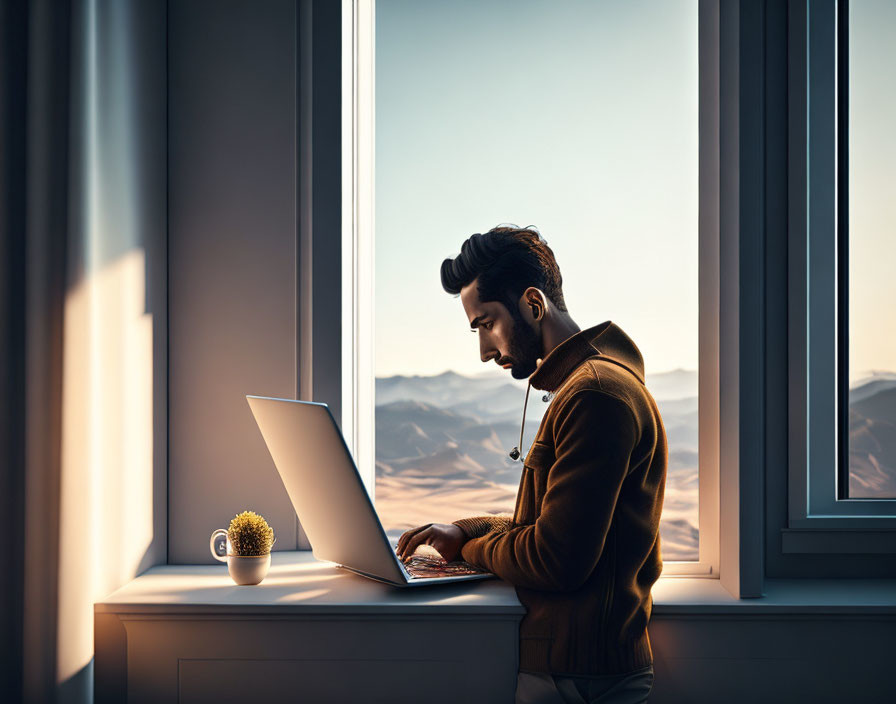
<point x="682" y="595"/>
<point x="297" y="583"/>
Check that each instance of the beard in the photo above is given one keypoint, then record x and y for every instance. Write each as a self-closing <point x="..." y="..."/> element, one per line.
<point x="525" y="347"/>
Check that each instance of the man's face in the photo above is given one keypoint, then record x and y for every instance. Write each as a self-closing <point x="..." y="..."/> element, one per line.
<point x="505" y="336"/>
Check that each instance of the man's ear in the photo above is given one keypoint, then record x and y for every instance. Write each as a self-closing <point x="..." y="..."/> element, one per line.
<point x="534" y="300"/>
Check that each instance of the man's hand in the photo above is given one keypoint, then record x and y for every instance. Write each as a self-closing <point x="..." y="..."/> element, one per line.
<point x="447" y="539"/>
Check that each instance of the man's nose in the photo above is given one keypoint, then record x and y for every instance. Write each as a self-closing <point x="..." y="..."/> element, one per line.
<point x="486" y="351"/>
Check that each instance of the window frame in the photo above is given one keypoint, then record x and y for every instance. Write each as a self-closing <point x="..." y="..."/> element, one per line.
<point x="358" y="237"/>
<point x="358" y="201"/>
<point x="817" y="521"/>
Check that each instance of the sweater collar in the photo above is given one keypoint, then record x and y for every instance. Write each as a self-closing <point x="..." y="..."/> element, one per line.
<point x="606" y="340"/>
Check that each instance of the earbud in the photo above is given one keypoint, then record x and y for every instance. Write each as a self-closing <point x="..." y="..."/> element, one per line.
<point x="536" y="304"/>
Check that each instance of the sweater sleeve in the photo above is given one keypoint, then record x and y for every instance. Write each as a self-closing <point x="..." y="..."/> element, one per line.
<point x="477" y="526"/>
<point x="594" y="436"/>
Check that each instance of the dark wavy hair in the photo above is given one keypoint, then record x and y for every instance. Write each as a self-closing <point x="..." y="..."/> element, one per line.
<point x="507" y="260"/>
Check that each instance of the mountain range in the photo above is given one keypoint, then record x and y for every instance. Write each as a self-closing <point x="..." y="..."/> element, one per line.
<point x="872" y="437"/>
<point x="442" y="446"/>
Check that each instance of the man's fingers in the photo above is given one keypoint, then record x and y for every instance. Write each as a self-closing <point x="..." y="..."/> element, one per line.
<point x="402" y="541"/>
<point x="414" y="542"/>
<point x="410" y="545"/>
<point x="407" y="535"/>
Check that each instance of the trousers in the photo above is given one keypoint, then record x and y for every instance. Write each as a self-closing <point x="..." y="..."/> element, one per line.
<point x="627" y="688"/>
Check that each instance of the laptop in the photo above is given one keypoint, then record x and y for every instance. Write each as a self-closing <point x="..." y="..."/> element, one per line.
<point x="331" y="501"/>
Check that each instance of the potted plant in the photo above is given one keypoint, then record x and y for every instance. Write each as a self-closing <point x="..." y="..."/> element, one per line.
<point x="249" y="540"/>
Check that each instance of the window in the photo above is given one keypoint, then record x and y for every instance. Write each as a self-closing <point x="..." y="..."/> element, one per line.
<point x="841" y="355"/>
<point x="576" y="117"/>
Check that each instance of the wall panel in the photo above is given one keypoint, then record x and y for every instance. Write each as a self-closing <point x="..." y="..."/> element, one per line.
<point x="232" y="261"/>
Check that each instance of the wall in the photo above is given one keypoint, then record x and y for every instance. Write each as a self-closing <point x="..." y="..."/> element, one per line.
<point x="232" y="228"/>
<point x="773" y="658"/>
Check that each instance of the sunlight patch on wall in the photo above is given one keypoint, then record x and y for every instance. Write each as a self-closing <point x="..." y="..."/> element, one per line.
<point x="106" y="522"/>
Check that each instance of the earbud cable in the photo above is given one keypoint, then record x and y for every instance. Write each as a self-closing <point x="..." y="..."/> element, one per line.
<point x="518" y="448"/>
<point x="525" y="404"/>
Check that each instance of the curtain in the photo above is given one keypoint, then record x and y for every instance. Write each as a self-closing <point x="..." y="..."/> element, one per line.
<point x="34" y="115"/>
<point x="83" y="324"/>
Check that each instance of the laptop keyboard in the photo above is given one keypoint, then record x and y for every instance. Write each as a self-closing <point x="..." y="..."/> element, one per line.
<point x="425" y="566"/>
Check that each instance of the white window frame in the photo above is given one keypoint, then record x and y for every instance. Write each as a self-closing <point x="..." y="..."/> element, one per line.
<point x="358" y="283"/>
<point x="358" y="237"/>
<point x="817" y="521"/>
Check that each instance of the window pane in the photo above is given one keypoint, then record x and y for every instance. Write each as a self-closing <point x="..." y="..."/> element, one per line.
<point x="579" y="118"/>
<point x="872" y="249"/>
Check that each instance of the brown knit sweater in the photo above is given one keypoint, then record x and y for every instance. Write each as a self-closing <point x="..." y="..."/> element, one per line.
<point x="583" y="547"/>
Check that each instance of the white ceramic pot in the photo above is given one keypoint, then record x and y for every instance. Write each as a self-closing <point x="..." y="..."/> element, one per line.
<point x="243" y="569"/>
<point x="248" y="569"/>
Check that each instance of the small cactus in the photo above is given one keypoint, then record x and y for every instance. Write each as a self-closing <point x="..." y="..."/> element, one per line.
<point x="250" y="534"/>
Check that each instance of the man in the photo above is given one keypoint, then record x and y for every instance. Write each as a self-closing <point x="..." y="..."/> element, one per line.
<point x="582" y="547"/>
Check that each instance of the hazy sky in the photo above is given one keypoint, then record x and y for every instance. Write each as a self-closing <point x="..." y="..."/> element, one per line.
<point x="872" y="193"/>
<point x="580" y="117"/>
